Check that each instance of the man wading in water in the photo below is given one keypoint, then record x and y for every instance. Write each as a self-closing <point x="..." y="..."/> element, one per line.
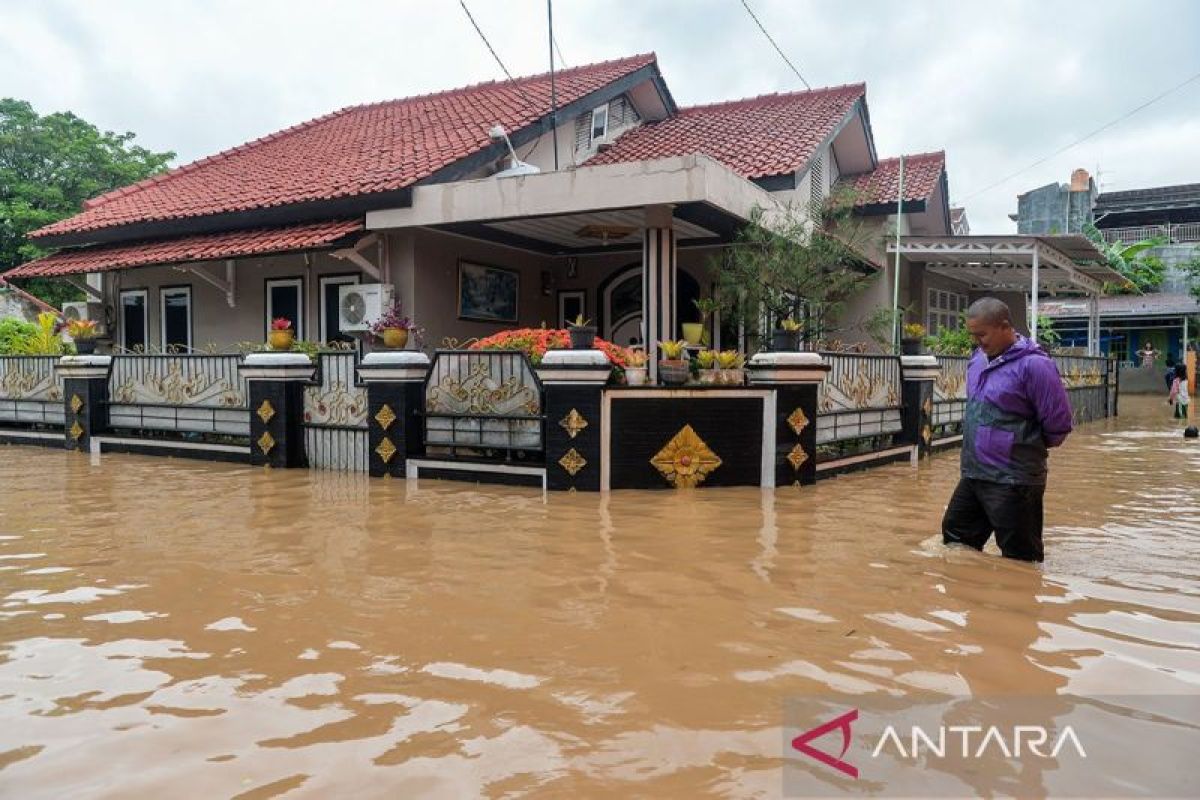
<point x="1016" y="409"/>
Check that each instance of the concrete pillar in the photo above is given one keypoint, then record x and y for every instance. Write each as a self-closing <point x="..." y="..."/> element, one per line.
<point x="916" y="400"/>
<point x="795" y="378"/>
<point x="277" y="382"/>
<point x="85" y="398"/>
<point x="658" y="283"/>
<point x="573" y="386"/>
<point x="395" y="397"/>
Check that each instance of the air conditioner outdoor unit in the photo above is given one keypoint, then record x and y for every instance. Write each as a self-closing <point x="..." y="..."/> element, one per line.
<point x="86" y="310"/>
<point x="360" y="304"/>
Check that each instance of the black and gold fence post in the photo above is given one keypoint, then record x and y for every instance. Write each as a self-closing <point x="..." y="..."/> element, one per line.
<point x="796" y="377"/>
<point x="395" y="386"/>
<point x="85" y="398"/>
<point x="916" y="398"/>
<point x="573" y="385"/>
<point x="277" y="382"/>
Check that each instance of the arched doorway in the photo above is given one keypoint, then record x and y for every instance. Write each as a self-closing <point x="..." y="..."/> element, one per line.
<point x="619" y="303"/>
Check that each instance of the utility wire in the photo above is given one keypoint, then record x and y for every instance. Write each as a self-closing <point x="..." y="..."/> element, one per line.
<point x="562" y="61"/>
<point x="786" y="60"/>
<point x="1083" y="139"/>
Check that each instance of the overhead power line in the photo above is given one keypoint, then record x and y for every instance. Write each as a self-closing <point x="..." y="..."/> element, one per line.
<point x="562" y="61"/>
<point x="770" y="39"/>
<point x="1083" y="139"/>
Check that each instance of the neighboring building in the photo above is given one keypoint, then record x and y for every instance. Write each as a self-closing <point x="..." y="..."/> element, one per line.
<point x="959" y="226"/>
<point x="14" y="302"/>
<point x="416" y="194"/>
<point x="1057" y="208"/>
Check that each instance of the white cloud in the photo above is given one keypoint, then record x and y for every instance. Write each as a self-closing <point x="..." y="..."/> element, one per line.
<point x="998" y="85"/>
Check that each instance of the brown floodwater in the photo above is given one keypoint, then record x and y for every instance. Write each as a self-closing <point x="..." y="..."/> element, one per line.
<point x="179" y="628"/>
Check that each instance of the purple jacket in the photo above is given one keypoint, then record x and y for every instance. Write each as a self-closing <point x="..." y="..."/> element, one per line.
<point x="1017" y="407"/>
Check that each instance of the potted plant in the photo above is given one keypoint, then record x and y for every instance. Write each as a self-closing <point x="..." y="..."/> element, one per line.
<point x="673" y="368"/>
<point x="707" y="362"/>
<point x="786" y="338"/>
<point x="393" y="327"/>
<point x="282" y="336"/>
<point x="635" y="366"/>
<point x="911" y="339"/>
<point x="583" y="333"/>
<point x="697" y="332"/>
<point x="83" y="331"/>
<point x="732" y="367"/>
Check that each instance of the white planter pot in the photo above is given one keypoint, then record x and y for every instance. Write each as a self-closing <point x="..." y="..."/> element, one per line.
<point x="635" y="376"/>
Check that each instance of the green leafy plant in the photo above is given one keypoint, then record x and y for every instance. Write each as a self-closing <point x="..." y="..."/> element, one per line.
<point x="635" y="357"/>
<point x="580" y="322"/>
<point x="1048" y="338"/>
<point x="14" y="333"/>
<point x="951" y="341"/>
<point x="790" y="325"/>
<point x="82" y="329"/>
<point x="706" y="359"/>
<point x="1143" y="272"/>
<point x="794" y="265"/>
<point x="914" y="330"/>
<point x="706" y="306"/>
<point x="673" y="351"/>
<point x="730" y="359"/>
<point x="44" y="340"/>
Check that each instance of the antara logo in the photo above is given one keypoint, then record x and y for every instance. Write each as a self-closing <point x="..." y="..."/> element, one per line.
<point x="974" y="741"/>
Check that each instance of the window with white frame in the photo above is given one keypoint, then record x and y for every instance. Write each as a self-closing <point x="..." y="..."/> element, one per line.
<point x="134" y="320"/>
<point x="944" y="310"/>
<point x="600" y="123"/>
<point x="175" y="317"/>
<point x="285" y="298"/>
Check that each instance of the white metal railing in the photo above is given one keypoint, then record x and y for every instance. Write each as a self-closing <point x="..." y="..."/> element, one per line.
<point x="31" y="390"/>
<point x="1172" y="233"/>
<point x="187" y="393"/>
<point x="859" y="397"/>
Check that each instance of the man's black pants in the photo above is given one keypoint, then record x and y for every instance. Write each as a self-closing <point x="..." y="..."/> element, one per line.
<point x="1014" y="513"/>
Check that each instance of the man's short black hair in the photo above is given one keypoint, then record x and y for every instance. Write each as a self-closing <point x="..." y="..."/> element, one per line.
<point x="991" y="311"/>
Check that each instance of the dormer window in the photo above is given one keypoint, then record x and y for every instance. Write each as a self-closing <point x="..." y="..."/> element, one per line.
<point x="600" y="123"/>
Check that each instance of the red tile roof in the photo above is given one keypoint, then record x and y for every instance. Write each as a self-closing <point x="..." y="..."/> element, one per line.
<point x="771" y="134"/>
<point x="922" y="173"/>
<point x="358" y="150"/>
<point x="199" y="247"/>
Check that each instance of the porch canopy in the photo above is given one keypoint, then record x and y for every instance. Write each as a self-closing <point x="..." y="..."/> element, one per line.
<point x="652" y="207"/>
<point x="1029" y="264"/>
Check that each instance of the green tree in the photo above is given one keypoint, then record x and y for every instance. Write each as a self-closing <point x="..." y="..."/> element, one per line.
<point x="798" y="266"/>
<point x="1191" y="268"/>
<point x="48" y="166"/>
<point x="1143" y="272"/>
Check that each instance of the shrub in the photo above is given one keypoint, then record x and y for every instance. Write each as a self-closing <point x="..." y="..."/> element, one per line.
<point x="534" y="342"/>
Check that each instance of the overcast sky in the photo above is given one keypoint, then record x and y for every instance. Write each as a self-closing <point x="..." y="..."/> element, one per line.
<point x="998" y="85"/>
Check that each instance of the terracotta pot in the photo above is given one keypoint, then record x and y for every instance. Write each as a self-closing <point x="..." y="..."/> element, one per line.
<point x="635" y="376"/>
<point x="733" y="377"/>
<point x="693" y="332"/>
<point x="710" y="376"/>
<point x="582" y="338"/>
<point x="674" y="373"/>
<point x="395" y="338"/>
<point x="281" y="340"/>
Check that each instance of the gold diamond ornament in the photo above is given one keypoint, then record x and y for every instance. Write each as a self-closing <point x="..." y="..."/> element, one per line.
<point x="385" y="417"/>
<point x="686" y="460"/>
<point x="572" y="462"/>
<point x="386" y="449"/>
<point x="797" y="457"/>
<point x="573" y="423"/>
<point x="266" y="442"/>
<point x="76" y="403"/>
<point x="797" y="420"/>
<point x="265" y="411"/>
<point x="76" y="431"/>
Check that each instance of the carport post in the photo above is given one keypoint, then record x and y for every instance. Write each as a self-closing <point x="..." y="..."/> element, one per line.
<point x="1034" y="298"/>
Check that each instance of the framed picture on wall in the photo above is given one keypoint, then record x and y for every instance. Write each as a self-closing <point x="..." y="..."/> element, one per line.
<point x="487" y="294"/>
<point x="571" y="303"/>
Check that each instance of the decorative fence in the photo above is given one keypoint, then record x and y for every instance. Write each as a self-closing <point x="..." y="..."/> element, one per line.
<point x="859" y="400"/>
<point x="31" y="392"/>
<point x="335" y="415"/>
<point x="1091" y="385"/>
<point x="949" y="396"/>
<point x="483" y="404"/>
<point x="180" y="393"/>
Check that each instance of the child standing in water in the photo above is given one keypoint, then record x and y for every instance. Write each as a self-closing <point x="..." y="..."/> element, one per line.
<point x="1179" y="392"/>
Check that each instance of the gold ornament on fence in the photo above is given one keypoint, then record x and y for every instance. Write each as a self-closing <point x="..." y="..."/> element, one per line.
<point x="386" y="449"/>
<point x="686" y="460"/>
<point x="573" y="423"/>
<point x="385" y="417"/>
<point x="797" y="420"/>
<point x="76" y="403"/>
<point x="265" y="411"/>
<point x="266" y="442"/>
<point x="76" y="431"/>
<point x="797" y="457"/>
<point x="572" y="462"/>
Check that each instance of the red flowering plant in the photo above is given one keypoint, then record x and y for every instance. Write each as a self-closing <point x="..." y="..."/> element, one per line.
<point x="281" y="324"/>
<point x="534" y="342"/>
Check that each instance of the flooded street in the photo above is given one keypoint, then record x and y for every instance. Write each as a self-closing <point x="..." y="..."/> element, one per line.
<point x="176" y="628"/>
